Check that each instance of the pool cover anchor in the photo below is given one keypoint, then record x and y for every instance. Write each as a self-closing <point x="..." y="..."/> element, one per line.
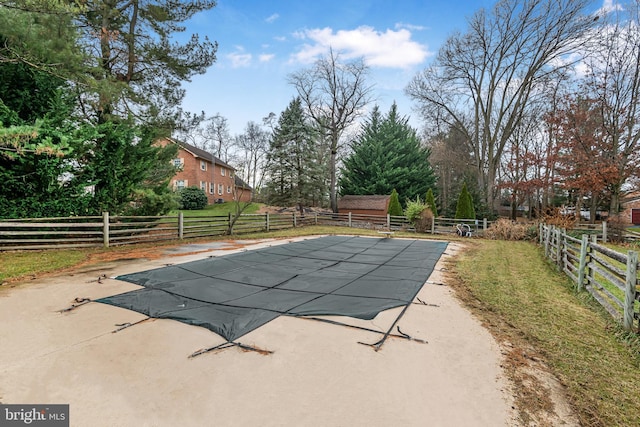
<point x="78" y="302"/>
<point x="229" y="345"/>
<point x="378" y="345"/>
<point x="420" y="302"/>
<point x="126" y="325"/>
<point x="362" y="328"/>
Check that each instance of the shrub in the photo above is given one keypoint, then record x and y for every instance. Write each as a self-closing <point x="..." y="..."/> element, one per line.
<point x="616" y="229"/>
<point x="464" y="208"/>
<point x="394" y="204"/>
<point x="430" y="201"/>
<point x="553" y="216"/>
<point x="505" y="229"/>
<point x="414" y="209"/>
<point x="424" y="221"/>
<point x="419" y="215"/>
<point x="193" y="198"/>
<point x="148" y="202"/>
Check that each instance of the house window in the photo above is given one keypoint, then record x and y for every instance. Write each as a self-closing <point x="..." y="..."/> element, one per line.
<point x="179" y="184"/>
<point x="211" y="188"/>
<point x="223" y="171"/>
<point x="220" y="189"/>
<point x="228" y="189"/>
<point x="178" y="163"/>
<point x="203" y="165"/>
<point x="203" y="186"/>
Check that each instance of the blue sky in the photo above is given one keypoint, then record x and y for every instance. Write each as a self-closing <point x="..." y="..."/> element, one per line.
<point x="262" y="42"/>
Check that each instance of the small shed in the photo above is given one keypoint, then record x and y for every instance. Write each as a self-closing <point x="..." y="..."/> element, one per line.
<point x="364" y="205"/>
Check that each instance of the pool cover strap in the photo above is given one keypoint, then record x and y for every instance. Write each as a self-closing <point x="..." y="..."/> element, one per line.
<point x="237" y="293"/>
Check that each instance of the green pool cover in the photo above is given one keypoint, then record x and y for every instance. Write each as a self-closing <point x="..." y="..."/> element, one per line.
<point x="336" y="275"/>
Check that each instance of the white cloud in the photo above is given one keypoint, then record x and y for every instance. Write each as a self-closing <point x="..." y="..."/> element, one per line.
<point x="389" y="49"/>
<point x="272" y="18"/>
<point x="410" y="27"/>
<point x="280" y="38"/>
<point x="240" y="58"/>
<point x="266" y="57"/>
<point x="609" y="6"/>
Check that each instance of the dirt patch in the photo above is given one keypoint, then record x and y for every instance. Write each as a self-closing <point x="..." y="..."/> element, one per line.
<point x="539" y="397"/>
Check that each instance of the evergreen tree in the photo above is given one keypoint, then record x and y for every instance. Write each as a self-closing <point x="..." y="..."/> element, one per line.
<point x="387" y="155"/>
<point x="36" y="138"/>
<point x="430" y="201"/>
<point x="395" y="209"/>
<point x="293" y="167"/>
<point x="125" y="65"/>
<point x="465" y="209"/>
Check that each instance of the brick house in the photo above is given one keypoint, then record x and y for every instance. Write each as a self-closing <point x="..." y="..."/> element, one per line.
<point x="364" y="205"/>
<point x="630" y="208"/>
<point x="199" y="168"/>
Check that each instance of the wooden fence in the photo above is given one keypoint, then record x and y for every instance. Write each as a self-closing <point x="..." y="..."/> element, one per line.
<point x="609" y="276"/>
<point x="107" y="230"/>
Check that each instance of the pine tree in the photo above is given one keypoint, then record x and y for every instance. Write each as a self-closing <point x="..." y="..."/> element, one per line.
<point x="465" y="209"/>
<point x="395" y="209"/>
<point x="295" y="176"/>
<point x="430" y="201"/>
<point x="387" y="155"/>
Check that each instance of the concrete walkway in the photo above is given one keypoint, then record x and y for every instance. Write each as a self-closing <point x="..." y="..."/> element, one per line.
<point x="317" y="375"/>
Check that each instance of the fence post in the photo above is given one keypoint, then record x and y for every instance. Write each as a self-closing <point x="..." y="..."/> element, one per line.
<point x="547" y="237"/>
<point x="316" y="217"/>
<point x="389" y="222"/>
<point x="559" y="248"/>
<point x="349" y="219"/>
<point x="266" y="221"/>
<point x="105" y="229"/>
<point x="604" y="231"/>
<point x="484" y="224"/>
<point x="294" y="220"/>
<point x="630" y="290"/>
<point x="540" y="231"/>
<point x="583" y="261"/>
<point x="433" y="225"/>
<point x="180" y="225"/>
<point x="230" y="226"/>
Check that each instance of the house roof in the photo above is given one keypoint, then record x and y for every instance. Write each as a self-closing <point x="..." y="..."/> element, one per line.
<point x="198" y="152"/>
<point x="371" y="202"/>
<point x="630" y="197"/>
<point x="240" y="183"/>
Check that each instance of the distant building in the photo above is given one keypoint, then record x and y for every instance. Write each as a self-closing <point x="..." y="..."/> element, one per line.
<point x="364" y="205"/>
<point x="199" y="168"/>
<point x="630" y="208"/>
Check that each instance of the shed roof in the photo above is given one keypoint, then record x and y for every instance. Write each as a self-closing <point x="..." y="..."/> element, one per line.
<point x="368" y="202"/>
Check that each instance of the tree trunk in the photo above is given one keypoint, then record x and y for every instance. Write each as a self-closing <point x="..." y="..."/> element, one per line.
<point x="333" y="189"/>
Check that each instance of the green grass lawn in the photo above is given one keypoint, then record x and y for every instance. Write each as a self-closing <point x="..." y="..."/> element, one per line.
<point x="515" y="288"/>
<point x="22" y="264"/>
<point x="218" y="209"/>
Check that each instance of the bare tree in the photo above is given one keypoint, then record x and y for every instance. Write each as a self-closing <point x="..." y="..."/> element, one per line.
<point x="253" y="144"/>
<point x="614" y="80"/>
<point x="482" y="80"/>
<point x="335" y="94"/>
<point x="451" y="162"/>
<point x="218" y="137"/>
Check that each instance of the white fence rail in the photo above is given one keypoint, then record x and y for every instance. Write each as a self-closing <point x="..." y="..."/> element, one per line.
<point x="609" y="276"/>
